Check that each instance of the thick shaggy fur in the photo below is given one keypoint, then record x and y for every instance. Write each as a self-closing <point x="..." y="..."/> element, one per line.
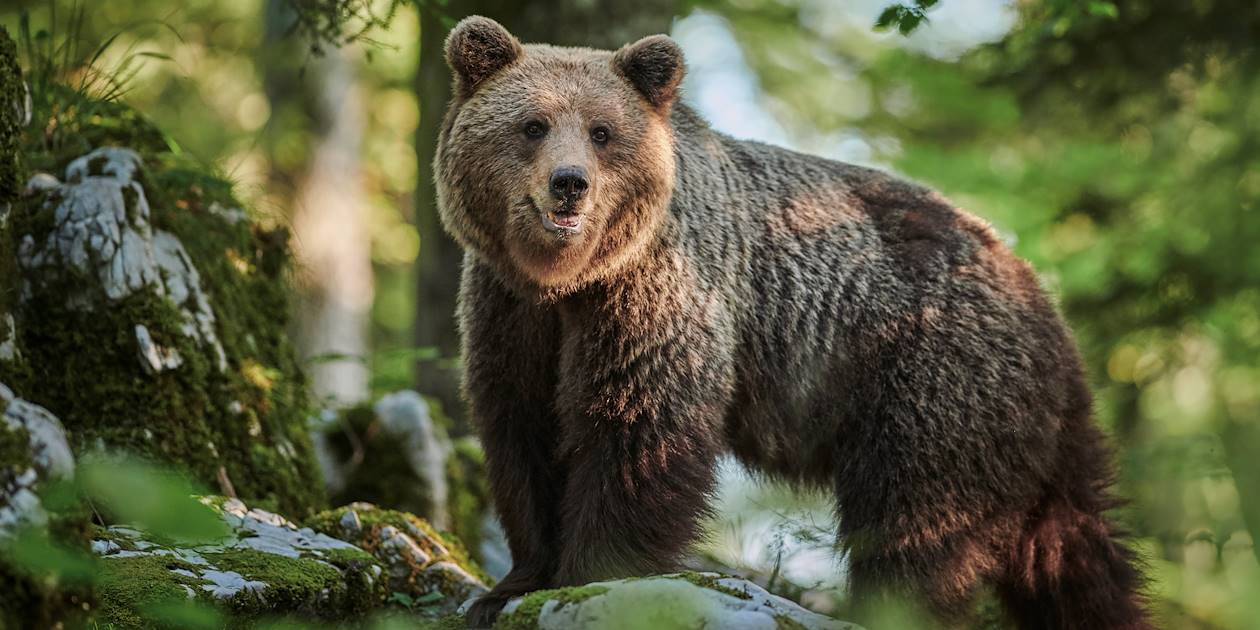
<point x="828" y="324"/>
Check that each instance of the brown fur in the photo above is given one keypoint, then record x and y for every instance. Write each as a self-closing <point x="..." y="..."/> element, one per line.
<point x="829" y="325"/>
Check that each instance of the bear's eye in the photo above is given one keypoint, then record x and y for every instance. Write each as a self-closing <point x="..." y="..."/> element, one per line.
<point x="535" y="129"/>
<point x="599" y="135"/>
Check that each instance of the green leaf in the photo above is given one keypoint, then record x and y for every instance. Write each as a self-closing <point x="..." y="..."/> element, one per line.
<point x="429" y="598"/>
<point x="34" y="552"/>
<point x="889" y="16"/>
<point x="910" y="22"/>
<point x="184" y="614"/>
<point x="905" y="18"/>
<point x="1104" y="9"/>
<point x="402" y="599"/>
<point x="158" y="501"/>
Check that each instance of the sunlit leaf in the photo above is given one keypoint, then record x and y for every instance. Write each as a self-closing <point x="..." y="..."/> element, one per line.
<point x="1104" y="9"/>
<point x="157" y="500"/>
<point x="33" y="551"/>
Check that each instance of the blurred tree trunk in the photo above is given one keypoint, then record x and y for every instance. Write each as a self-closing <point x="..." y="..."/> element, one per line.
<point x="1241" y="438"/>
<point x="331" y="240"/>
<point x="596" y="23"/>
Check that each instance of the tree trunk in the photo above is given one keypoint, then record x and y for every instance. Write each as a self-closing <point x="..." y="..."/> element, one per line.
<point x="1242" y="445"/>
<point x="332" y="242"/>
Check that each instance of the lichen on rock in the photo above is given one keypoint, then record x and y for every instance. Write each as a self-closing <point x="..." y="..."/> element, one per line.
<point x="267" y="565"/>
<point x="102" y="228"/>
<point x="683" y="600"/>
<point x="420" y="562"/>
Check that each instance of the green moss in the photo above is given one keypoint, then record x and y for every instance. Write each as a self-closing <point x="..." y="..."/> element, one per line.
<point x="306" y="585"/>
<point x="370" y="587"/>
<point x="12" y="174"/>
<point x="372" y="520"/>
<point x="292" y="583"/>
<point x="329" y="584"/>
<point x="15" y="451"/>
<point x="11" y="90"/>
<point x="348" y="558"/>
<point x="783" y="622"/>
<point x="459" y="553"/>
<point x="711" y="582"/>
<point x="67" y="123"/>
<point x="525" y="617"/>
<point x="82" y="363"/>
<point x="447" y="622"/>
<point x="128" y="587"/>
<point x="125" y="543"/>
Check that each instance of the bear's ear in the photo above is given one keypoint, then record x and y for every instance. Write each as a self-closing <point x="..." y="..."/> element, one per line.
<point x="654" y="65"/>
<point x="477" y="48"/>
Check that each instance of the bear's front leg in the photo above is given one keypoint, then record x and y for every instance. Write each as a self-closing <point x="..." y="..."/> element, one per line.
<point x="643" y="391"/>
<point x="511" y="349"/>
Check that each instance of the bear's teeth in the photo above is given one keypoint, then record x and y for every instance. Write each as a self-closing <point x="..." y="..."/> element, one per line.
<point x="567" y="221"/>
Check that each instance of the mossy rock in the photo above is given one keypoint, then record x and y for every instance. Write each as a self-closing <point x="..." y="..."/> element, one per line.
<point x="391" y="453"/>
<point x="395" y="453"/>
<point x="151" y="313"/>
<point x="426" y="569"/>
<point x="14" y="108"/>
<point x="267" y="567"/>
<point x="663" y="602"/>
<point x="34" y="456"/>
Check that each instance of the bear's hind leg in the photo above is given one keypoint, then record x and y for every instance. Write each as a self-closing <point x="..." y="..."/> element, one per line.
<point x="939" y="577"/>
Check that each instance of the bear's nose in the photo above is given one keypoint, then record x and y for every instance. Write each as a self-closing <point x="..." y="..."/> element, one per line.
<point x="568" y="183"/>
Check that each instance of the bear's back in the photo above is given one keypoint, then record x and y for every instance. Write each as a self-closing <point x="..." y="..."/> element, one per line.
<point x="829" y="267"/>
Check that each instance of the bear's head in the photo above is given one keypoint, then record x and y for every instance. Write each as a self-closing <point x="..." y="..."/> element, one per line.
<point x="554" y="164"/>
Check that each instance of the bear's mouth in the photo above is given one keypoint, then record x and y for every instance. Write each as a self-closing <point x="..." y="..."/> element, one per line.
<point x="562" y="220"/>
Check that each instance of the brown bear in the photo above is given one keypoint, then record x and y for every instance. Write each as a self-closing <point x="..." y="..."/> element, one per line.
<point x="641" y="292"/>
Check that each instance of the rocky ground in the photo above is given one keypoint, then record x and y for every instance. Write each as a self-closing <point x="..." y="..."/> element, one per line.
<point x="142" y="328"/>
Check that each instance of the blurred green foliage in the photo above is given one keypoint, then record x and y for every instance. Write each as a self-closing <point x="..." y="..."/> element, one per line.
<point x="123" y="490"/>
<point x="155" y="500"/>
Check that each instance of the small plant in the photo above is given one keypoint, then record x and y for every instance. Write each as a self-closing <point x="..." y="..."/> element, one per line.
<point x="57" y="55"/>
<point x="905" y="18"/>
<point x="75" y="87"/>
